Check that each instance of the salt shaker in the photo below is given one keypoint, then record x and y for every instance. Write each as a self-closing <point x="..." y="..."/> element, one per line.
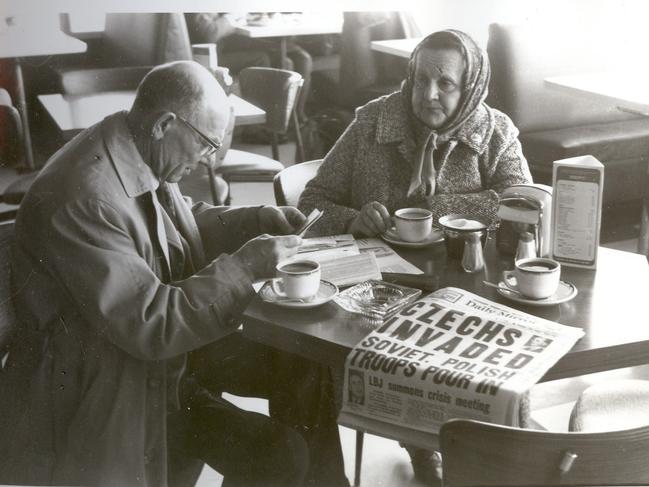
<point x="526" y="246"/>
<point x="473" y="258"/>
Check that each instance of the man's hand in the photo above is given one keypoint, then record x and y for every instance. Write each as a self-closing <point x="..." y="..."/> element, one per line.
<point x="280" y="220"/>
<point x="260" y="255"/>
<point x="372" y="220"/>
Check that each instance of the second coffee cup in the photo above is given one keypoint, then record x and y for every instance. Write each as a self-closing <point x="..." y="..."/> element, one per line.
<point x="536" y="277"/>
<point x="413" y="224"/>
<point x="298" y="279"/>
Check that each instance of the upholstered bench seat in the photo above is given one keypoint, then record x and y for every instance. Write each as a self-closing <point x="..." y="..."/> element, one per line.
<point x="622" y="146"/>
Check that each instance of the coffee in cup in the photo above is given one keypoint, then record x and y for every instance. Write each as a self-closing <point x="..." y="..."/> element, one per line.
<point x="299" y="279"/>
<point x="413" y="224"/>
<point x="536" y="277"/>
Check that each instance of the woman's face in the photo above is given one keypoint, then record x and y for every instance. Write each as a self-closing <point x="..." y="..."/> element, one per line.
<point x="437" y="85"/>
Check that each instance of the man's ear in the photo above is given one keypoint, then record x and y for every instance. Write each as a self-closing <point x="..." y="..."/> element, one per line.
<point x="161" y="124"/>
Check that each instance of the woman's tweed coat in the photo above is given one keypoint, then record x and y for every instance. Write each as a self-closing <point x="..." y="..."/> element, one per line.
<point x="374" y="158"/>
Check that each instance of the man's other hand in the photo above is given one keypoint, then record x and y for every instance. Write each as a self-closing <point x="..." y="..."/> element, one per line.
<point x="262" y="254"/>
<point x="280" y="220"/>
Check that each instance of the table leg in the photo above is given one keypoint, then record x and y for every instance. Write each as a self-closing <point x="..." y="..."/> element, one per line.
<point x="283" y="58"/>
<point x="21" y="103"/>
<point x="643" y="239"/>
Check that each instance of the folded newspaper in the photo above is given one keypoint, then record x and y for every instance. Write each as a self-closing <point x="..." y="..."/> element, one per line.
<point x="346" y="261"/>
<point x="450" y="354"/>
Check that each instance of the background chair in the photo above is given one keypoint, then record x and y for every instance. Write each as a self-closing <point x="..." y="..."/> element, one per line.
<point x="289" y="183"/>
<point x="276" y="91"/>
<point x="364" y="74"/>
<point x="11" y="155"/>
<point x="7" y="315"/>
<point x="131" y="44"/>
<point x="611" y="405"/>
<point x="477" y="453"/>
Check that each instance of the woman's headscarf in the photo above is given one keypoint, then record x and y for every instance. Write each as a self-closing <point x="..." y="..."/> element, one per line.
<point x="475" y="83"/>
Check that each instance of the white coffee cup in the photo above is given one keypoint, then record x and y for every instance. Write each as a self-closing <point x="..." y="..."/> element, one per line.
<point x="413" y="224"/>
<point x="298" y="279"/>
<point x="536" y="277"/>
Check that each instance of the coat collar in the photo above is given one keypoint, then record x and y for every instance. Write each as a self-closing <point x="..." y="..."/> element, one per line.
<point x="134" y="174"/>
<point x="394" y="125"/>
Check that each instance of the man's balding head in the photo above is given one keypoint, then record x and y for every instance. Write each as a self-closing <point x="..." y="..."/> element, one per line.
<point x="182" y="87"/>
<point x="177" y="107"/>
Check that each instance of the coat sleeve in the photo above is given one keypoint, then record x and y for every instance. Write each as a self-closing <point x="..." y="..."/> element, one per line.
<point x="97" y="255"/>
<point x="331" y="189"/>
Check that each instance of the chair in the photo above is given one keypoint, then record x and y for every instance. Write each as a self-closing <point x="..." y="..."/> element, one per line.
<point x="132" y="43"/>
<point x="289" y="183"/>
<point x="364" y="74"/>
<point x="477" y="453"/>
<point x="7" y="315"/>
<point x="276" y="91"/>
<point x="11" y="154"/>
<point x="611" y="405"/>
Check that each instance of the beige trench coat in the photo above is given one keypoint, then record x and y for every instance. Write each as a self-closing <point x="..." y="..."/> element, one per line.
<point x="99" y="324"/>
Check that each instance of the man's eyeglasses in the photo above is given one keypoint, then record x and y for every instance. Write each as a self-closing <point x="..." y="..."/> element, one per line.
<point x="214" y="145"/>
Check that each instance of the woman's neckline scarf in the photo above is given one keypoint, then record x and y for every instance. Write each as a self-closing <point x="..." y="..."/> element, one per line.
<point x="475" y="83"/>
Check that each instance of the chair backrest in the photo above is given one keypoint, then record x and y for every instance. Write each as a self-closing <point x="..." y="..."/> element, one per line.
<point x="523" y="55"/>
<point x="477" y="453"/>
<point x="289" y="183"/>
<point x="140" y="39"/>
<point x="273" y="90"/>
<point x="363" y="71"/>
<point x="11" y="135"/>
<point x="8" y="317"/>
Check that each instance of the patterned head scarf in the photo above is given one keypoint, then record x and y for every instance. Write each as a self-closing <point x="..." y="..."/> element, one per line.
<point x="475" y="83"/>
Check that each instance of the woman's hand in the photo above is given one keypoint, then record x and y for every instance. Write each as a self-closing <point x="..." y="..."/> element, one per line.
<point x="372" y="220"/>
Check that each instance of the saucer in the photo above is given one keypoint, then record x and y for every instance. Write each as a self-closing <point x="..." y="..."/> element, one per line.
<point x="391" y="236"/>
<point x="565" y="292"/>
<point x="326" y="292"/>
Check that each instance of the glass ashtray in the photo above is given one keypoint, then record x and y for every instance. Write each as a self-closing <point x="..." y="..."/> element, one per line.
<point x="376" y="299"/>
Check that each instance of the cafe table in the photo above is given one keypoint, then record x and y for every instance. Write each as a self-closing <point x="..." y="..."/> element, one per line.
<point x="283" y="26"/>
<point x="73" y="113"/>
<point x="611" y="308"/>
<point x="396" y="47"/>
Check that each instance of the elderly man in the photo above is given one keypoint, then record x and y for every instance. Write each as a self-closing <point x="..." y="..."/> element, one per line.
<point x="129" y="300"/>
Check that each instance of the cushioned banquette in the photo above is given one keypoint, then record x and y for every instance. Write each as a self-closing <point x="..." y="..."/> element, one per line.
<point x="555" y="124"/>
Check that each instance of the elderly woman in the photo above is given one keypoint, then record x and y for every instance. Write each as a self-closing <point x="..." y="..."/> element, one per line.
<point x="434" y="144"/>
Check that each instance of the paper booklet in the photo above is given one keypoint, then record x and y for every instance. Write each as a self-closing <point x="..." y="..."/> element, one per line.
<point x="346" y="261"/>
<point x="450" y="354"/>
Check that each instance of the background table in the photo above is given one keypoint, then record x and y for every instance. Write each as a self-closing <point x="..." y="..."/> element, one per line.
<point x="396" y="47"/>
<point x="628" y="91"/>
<point x="611" y="307"/>
<point x="20" y="40"/>
<point x="287" y="26"/>
<point x="75" y="113"/>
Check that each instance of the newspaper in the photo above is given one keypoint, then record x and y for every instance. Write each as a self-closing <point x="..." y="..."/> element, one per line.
<point x="388" y="259"/>
<point x="451" y="354"/>
<point x="340" y="258"/>
<point x="346" y="261"/>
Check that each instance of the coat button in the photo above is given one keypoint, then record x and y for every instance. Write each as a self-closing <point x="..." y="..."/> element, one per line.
<point x="154" y="383"/>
